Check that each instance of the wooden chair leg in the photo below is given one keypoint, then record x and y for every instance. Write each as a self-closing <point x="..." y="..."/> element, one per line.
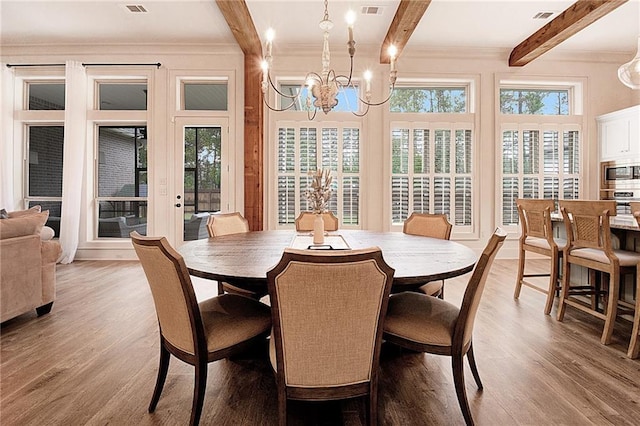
<point x="553" y="283"/>
<point x="282" y="406"/>
<point x="458" y="380"/>
<point x="441" y="295"/>
<point x="520" y="277"/>
<point x="199" y="388"/>
<point x="373" y="406"/>
<point x="612" y="307"/>
<point x="564" y="292"/>
<point x="162" y="375"/>
<point x="474" y="368"/>
<point x="220" y="288"/>
<point x="634" y="344"/>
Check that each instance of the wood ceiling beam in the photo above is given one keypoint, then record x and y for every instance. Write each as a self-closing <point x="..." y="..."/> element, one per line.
<point x="579" y="15"/>
<point x="406" y="19"/>
<point x="237" y="15"/>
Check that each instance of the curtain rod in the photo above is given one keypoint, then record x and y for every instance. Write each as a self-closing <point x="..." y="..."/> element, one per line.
<point x="34" y="65"/>
<point x="156" y="64"/>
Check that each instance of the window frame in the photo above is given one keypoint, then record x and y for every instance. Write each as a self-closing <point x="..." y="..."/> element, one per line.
<point x="575" y="120"/>
<point x="470" y="118"/>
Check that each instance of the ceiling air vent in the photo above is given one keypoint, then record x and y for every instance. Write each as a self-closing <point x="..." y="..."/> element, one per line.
<point x="136" y="8"/>
<point x="543" y="15"/>
<point x="371" y="10"/>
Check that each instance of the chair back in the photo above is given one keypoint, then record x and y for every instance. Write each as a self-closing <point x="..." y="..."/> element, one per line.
<point x="587" y="223"/>
<point x="635" y="210"/>
<point x="304" y="221"/>
<point x="535" y="218"/>
<point x="327" y="313"/>
<point x="173" y="295"/>
<point x="428" y="225"/>
<point x="471" y="300"/>
<point x="226" y="223"/>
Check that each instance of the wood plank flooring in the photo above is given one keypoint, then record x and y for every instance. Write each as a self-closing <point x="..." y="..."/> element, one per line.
<point x="93" y="361"/>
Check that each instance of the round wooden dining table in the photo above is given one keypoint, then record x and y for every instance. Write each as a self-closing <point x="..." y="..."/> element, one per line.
<point x="244" y="259"/>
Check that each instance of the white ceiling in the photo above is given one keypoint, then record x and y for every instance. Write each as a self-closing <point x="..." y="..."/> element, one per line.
<point x="495" y="24"/>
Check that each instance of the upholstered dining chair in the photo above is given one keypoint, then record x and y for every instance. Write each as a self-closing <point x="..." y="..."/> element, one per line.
<point x="589" y="246"/>
<point x="634" y="344"/>
<point x="195" y="333"/>
<point x="434" y="226"/>
<point x="220" y="224"/>
<point x="327" y="311"/>
<point x="537" y="237"/>
<point x="422" y="323"/>
<point x="304" y="221"/>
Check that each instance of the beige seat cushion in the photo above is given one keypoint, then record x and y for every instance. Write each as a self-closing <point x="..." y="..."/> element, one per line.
<point x="230" y="319"/>
<point x="627" y="258"/>
<point x="542" y="243"/>
<point x="420" y="318"/>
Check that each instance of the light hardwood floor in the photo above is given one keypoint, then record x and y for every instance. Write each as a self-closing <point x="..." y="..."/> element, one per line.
<point x="93" y="360"/>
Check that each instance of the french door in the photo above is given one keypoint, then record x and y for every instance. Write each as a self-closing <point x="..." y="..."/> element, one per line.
<point x="201" y="174"/>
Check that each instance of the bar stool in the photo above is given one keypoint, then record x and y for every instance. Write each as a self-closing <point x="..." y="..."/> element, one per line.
<point x="589" y="245"/>
<point x="537" y="237"/>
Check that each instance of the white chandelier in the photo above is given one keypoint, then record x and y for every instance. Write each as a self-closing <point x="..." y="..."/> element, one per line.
<point x="629" y="73"/>
<point x="325" y="86"/>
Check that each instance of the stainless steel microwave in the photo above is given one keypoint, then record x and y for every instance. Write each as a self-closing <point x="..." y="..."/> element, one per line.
<point x="617" y="174"/>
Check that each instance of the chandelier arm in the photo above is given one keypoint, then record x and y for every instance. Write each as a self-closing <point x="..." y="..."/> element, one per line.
<point x="279" y="92"/>
<point x="366" y="111"/>
<point x="311" y="117"/>
<point x="288" y="107"/>
<point x="378" y="103"/>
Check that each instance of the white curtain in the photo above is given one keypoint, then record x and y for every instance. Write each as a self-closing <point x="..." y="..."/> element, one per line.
<point x="75" y="141"/>
<point x="6" y="140"/>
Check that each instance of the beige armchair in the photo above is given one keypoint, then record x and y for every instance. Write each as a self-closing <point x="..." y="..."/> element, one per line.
<point x="28" y="259"/>
<point x="327" y="313"/>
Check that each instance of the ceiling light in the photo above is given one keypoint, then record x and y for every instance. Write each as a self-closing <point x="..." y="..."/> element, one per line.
<point x="323" y="87"/>
<point x="629" y="73"/>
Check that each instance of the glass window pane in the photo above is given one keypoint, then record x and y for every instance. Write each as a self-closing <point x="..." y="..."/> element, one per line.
<point x="510" y="151"/>
<point x="205" y="96"/>
<point x="442" y="150"/>
<point x="442" y="195"/>
<point x="350" y="150"/>
<point x="421" y="151"/>
<point x="421" y="194"/>
<point x="429" y="99"/>
<point x="308" y="149"/>
<point x="399" y="199"/>
<point x="330" y="148"/>
<point x="54" y="208"/>
<point x="400" y="151"/>
<point x="122" y="96"/>
<point x="286" y="149"/>
<point x="45" y="161"/>
<point x="202" y="169"/>
<point x="463" y="151"/>
<point x="117" y="219"/>
<point x="122" y="168"/>
<point x="530" y="152"/>
<point x="534" y="101"/>
<point x="297" y="97"/>
<point x="350" y="200"/>
<point x="509" y="197"/>
<point x="463" y="201"/>
<point x="45" y="96"/>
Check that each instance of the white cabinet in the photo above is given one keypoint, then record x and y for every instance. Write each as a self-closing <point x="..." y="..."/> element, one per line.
<point x="619" y="134"/>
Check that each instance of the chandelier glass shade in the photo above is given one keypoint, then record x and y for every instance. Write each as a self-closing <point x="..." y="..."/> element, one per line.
<point x="323" y="87"/>
<point x="629" y="73"/>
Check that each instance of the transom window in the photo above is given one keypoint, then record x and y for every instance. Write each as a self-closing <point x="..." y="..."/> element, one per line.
<point x="347" y="98"/>
<point x="534" y="101"/>
<point x="429" y="99"/>
<point x="129" y="96"/>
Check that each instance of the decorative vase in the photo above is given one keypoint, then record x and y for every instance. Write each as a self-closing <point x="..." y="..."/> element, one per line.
<point x="318" y="229"/>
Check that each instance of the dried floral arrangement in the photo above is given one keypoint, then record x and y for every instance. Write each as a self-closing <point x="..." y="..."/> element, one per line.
<point x="319" y="193"/>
